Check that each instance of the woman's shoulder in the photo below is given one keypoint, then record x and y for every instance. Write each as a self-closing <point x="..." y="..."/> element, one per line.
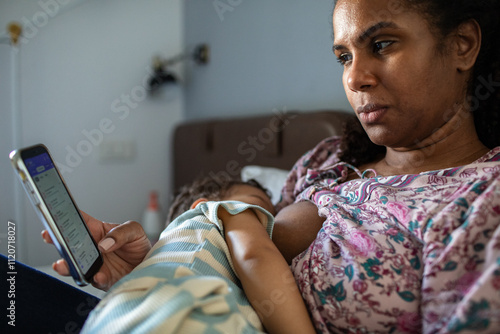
<point x="491" y="156"/>
<point x="325" y="152"/>
<point x="329" y="143"/>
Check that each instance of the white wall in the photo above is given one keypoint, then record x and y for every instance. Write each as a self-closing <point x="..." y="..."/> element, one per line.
<point x="83" y="64"/>
<point x="265" y="55"/>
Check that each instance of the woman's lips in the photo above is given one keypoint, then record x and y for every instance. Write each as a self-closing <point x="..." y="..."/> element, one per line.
<point x="371" y="113"/>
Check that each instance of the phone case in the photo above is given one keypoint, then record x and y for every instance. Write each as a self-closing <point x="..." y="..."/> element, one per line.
<point x="80" y="277"/>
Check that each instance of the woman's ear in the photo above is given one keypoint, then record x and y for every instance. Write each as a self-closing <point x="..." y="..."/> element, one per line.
<point x="198" y="201"/>
<point x="468" y="42"/>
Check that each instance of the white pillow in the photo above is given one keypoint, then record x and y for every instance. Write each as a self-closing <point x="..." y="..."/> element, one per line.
<point x="270" y="178"/>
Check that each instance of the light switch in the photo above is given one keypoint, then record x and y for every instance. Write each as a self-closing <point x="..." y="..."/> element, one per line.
<point x="115" y="150"/>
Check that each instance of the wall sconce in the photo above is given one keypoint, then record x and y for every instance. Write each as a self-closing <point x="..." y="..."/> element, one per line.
<point x="161" y="75"/>
<point x="14" y="32"/>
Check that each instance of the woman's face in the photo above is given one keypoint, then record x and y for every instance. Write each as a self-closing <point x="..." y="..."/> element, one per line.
<point x="398" y="83"/>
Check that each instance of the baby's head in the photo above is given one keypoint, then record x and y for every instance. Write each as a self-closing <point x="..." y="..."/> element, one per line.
<point x="219" y="189"/>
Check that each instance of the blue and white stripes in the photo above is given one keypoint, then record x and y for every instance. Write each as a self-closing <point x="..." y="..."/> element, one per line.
<point x="186" y="283"/>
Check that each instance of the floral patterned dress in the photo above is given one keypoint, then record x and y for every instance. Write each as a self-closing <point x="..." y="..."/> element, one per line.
<point x="401" y="254"/>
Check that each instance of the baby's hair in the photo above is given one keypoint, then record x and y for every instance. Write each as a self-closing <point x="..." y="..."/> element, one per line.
<point x="212" y="188"/>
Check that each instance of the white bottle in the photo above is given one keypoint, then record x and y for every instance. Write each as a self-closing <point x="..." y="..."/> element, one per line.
<point x="153" y="221"/>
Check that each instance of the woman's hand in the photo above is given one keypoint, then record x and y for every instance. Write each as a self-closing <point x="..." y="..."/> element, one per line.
<point x="123" y="247"/>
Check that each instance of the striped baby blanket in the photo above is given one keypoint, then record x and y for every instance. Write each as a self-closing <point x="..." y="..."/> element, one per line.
<point x="186" y="283"/>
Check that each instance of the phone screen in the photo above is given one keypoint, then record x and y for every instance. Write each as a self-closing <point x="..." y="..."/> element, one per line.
<point x="63" y="211"/>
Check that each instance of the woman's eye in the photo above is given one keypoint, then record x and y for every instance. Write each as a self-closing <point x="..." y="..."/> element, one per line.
<point x="344" y="58"/>
<point x="379" y="46"/>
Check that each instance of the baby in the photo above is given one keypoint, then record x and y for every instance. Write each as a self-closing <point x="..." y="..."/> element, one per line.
<point x="214" y="269"/>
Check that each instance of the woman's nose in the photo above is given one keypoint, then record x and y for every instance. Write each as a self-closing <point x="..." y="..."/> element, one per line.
<point x="360" y="76"/>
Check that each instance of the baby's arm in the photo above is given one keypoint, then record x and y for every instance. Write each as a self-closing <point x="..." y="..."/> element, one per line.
<point x="266" y="277"/>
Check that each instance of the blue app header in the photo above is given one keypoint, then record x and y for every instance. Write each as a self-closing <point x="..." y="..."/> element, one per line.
<point x="39" y="164"/>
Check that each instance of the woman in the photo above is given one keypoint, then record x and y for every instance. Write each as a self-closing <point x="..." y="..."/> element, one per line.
<point x="407" y="236"/>
<point x="408" y="244"/>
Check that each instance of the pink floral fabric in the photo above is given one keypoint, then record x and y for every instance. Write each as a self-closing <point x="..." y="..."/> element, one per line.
<point x="401" y="254"/>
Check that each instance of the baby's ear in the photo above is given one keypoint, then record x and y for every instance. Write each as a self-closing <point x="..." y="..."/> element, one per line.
<point x="198" y="201"/>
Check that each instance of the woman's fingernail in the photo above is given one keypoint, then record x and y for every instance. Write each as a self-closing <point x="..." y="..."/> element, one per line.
<point x="107" y="243"/>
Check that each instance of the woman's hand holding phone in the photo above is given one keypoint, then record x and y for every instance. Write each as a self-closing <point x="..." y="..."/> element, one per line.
<point x="123" y="247"/>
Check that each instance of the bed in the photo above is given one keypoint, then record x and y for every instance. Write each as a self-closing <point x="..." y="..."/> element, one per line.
<point x="263" y="147"/>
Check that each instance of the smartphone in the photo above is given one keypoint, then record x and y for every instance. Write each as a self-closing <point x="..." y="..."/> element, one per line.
<point x="57" y="210"/>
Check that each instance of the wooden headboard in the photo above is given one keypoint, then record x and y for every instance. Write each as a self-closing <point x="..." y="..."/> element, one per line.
<point x="226" y="145"/>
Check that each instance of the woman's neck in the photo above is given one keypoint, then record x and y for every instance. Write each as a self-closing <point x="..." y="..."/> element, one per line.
<point x="455" y="144"/>
<point x="422" y="160"/>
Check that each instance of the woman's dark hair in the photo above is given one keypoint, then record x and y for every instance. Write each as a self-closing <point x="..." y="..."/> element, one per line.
<point x="483" y="91"/>
<point x="212" y="188"/>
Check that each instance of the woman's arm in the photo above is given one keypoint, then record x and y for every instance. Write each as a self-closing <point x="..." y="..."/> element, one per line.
<point x="266" y="277"/>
